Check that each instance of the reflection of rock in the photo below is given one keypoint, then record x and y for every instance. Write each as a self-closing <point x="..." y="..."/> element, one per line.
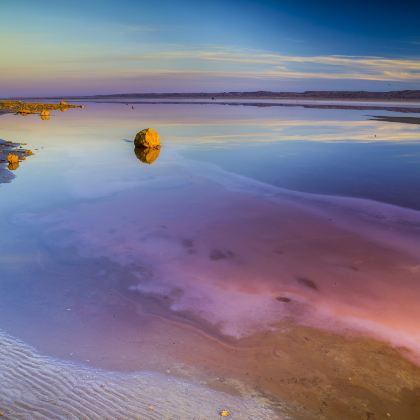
<point x="13" y="166"/>
<point x="24" y="112"/>
<point x="148" y="139"/>
<point x="146" y="155"/>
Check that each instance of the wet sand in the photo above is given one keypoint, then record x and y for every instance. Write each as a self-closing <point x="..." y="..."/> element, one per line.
<point x="38" y="387"/>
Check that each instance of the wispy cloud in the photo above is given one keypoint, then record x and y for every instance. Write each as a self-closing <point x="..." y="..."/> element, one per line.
<point x="136" y="61"/>
<point x="262" y="64"/>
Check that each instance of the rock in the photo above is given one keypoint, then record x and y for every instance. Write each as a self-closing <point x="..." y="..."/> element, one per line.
<point x="148" y="139"/>
<point x="12" y="158"/>
<point x="45" y="115"/>
<point x="64" y="106"/>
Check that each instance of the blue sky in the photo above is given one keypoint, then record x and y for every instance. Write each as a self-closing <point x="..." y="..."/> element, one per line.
<point x="86" y="47"/>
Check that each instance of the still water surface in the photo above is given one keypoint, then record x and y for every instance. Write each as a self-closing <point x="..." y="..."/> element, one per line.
<point x="112" y="262"/>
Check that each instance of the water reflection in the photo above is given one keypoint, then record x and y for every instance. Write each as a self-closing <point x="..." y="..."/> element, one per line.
<point x="190" y="264"/>
<point x="146" y="155"/>
<point x="13" y="166"/>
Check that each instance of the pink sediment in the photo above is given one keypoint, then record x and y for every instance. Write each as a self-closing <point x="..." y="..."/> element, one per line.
<point x="240" y="256"/>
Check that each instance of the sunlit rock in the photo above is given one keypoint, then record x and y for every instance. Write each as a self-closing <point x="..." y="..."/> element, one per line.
<point x="64" y="106"/>
<point x="26" y="108"/>
<point x="12" y="158"/>
<point x="146" y="155"/>
<point x="45" y="114"/>
<point x="148" y="139"/>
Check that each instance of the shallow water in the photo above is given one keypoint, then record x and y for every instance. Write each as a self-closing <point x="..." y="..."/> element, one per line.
<point x="124" y="265"/>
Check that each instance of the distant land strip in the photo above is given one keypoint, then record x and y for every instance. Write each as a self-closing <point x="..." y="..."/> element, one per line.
<point x="403" y="95"/>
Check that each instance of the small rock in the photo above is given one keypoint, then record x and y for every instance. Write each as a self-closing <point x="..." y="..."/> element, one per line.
<point x="12" y="158"/>
<point x="148" y="139"/>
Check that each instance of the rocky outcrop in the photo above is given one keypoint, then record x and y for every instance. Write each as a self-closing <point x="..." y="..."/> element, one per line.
<point x="11" y="154"/>
<point x="26" y="108"/>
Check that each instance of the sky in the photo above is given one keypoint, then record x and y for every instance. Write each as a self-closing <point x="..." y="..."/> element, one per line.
<point x="127" y="46"/>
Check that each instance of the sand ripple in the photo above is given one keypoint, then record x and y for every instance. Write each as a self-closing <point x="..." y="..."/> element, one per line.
<point x="36" y="387"/>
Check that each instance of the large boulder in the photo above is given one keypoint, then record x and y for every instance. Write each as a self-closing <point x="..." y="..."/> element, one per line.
<point x="147" y="139"/>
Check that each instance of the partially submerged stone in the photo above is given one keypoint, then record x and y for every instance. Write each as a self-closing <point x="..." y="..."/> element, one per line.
<point x="148" y="139"/>
<point x="45" y="114"/>
<point x="12" y="154"/>
<point x="12" y="158"/>
<point x="64" y="106"/>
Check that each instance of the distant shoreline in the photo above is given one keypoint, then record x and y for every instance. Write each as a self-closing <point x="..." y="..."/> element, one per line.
<point x="399" y="95"/>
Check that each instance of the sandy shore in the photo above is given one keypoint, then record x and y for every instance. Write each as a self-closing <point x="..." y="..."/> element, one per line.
<point x="37" y="387"/>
